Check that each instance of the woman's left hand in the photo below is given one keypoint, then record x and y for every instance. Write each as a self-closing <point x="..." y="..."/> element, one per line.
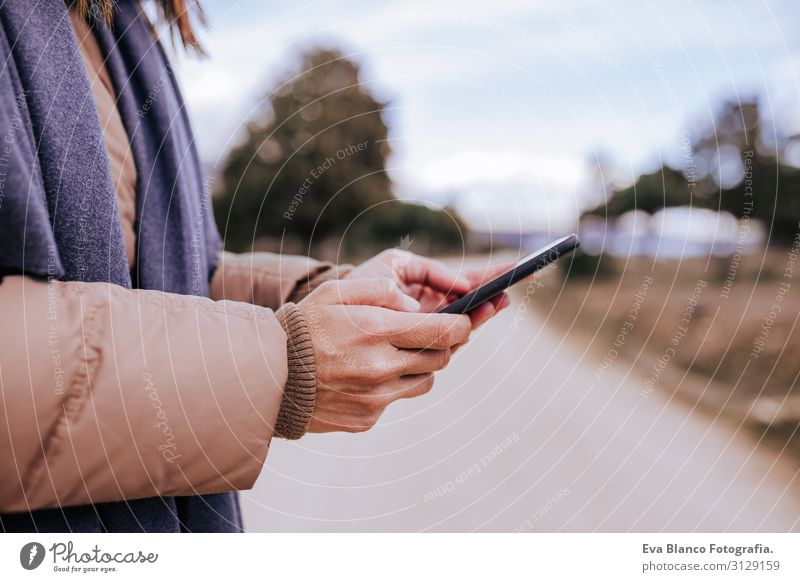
<point x="431" y="283"/>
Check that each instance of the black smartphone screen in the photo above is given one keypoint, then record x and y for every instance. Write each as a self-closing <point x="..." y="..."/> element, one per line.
<point x="526" y="266"/>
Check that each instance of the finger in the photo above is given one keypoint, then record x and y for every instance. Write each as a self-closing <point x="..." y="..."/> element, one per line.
<point x="478" y="277"/>
<point x="342" y="422"/>
<point x="376" y="292"/>
<point x="430" y="301"/>
<point x="435" y="275"/>
<point x="423" y="361"/>
<point x="481" y="314"/>
<point x="505" y="301"/>
<point x="486" y="311"/>
<point x="427" y="331"/>
<point x="408" y="387"/>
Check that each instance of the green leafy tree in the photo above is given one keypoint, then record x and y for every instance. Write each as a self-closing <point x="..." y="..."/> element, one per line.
<point x="311" y="164"/>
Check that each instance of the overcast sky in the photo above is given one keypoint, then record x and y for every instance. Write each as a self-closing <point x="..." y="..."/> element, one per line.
<point x="501" y="104"/>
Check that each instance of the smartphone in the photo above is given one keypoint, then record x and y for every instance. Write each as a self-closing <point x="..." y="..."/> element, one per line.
<point x="526" y="266"/>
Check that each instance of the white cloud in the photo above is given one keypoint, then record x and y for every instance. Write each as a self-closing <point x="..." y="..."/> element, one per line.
<point x="475" y="167"/>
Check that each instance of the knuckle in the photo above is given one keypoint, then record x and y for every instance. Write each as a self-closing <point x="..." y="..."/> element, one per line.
<point x="377" y="369"/>
<point x="368" y="417"/>
<point x="395" y="323"/>
<point x="444" y="358"/>
<point x="385" y="400"/>
<point x="395" y="253"/>
<point x="376" y="405"/>
<point x="385" y="286"/>
<point x="369" y="373"/>
<point x="375" y="325"/>
<point x="465" y="327"/>
<point x="372" y="420"/>
<point x="453" y="331"/>
<point x="392" y="253"/>
<point x="443" y="333"/>
<point x="363" y="412"/>
<point x="421" y="384"/>
<point x="380" y="373"/>
<point x="328" y="288"/>
<point x="359" y="426"/>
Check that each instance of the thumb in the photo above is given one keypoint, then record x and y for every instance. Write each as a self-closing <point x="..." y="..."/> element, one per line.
<point x="382" y="292"/>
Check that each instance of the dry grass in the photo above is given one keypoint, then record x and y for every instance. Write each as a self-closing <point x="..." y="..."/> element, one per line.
<point x="703" y="329"/>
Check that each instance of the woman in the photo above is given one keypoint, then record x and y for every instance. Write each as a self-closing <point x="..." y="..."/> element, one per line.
<point x="143" y="373"/>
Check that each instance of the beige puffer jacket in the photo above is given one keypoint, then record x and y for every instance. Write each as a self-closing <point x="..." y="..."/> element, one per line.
<point x="109" y="394"/>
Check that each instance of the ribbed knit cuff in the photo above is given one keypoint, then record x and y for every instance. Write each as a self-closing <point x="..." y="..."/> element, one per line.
<point x="297" y="406"/>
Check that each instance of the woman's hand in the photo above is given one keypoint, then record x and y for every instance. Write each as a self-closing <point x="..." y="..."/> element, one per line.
<point x="431" y="283"/>
<point x="372" y="347"/>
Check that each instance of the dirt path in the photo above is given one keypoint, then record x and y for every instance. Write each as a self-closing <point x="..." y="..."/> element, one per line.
<point x="519" y="433"/>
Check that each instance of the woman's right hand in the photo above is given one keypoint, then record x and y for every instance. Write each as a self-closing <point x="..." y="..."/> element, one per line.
<point x="372" y="348"/>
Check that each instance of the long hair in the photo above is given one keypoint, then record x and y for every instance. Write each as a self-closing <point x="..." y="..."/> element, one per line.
<point x="178" y="15"/>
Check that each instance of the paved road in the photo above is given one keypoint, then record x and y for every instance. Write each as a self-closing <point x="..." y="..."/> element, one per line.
<point x="519" y="434"/>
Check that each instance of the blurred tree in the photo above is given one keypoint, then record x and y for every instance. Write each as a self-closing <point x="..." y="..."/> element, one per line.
<point x="414" y="227"/>
<point x="733" y="169"/>
<point x="582" y="265"/>
<point x="315" y="160"/>
<point x="651" y="192"/>
<point x="739" y="171"/>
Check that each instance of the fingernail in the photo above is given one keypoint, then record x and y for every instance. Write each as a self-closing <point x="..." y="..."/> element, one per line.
<point x="410" y="303"/>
